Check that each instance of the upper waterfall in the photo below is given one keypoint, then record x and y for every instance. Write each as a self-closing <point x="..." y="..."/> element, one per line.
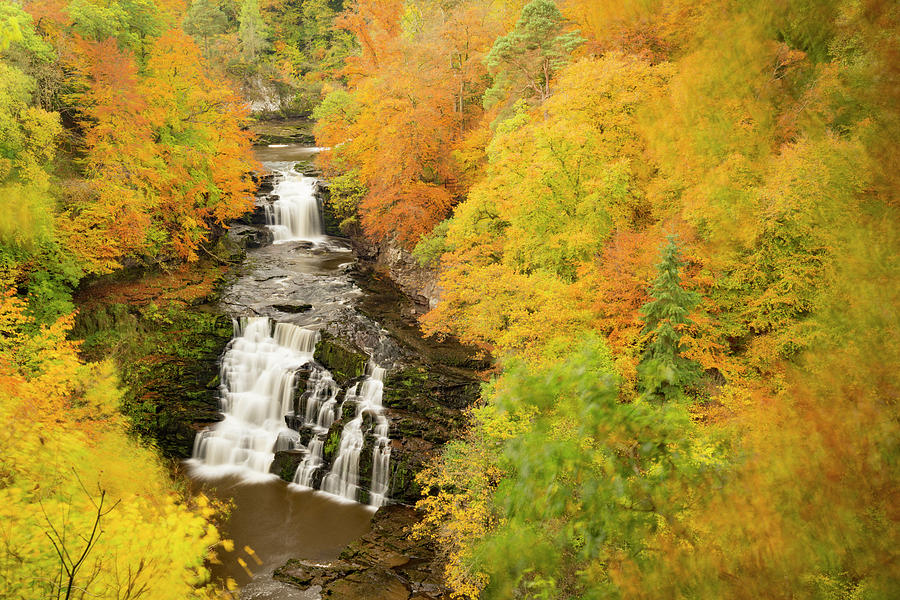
<point x="294" y="216"/>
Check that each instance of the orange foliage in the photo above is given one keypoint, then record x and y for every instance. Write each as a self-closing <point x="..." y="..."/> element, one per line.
<point x="616" y="285"/>
<point x="414" y="95"/>
<point x="376" y="26"/>
<point x="166" y="154"/>
<point x="653" y="30"/>
<point x="407" y="213"/>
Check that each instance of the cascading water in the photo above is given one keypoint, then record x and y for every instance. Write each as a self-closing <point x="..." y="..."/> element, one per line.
<point x="295" y="215"/>
<point x="343" y="480"/>
<point x="257" y="385"/>
<point x="258" y="377"/>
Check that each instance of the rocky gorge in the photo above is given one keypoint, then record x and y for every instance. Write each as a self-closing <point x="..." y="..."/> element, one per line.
<point x="172" y="330"/>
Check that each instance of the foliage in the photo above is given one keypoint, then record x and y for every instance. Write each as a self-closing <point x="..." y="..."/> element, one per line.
<point x="751" y="131"/>
<point x="345" y="192"/>
<point x="205" y="20"/>
<point x="62" y="424"/>
<point x="593" y="482"/>
<point x="432" y="246"/>
<point x="185" y="171"/>
<point x="252" y="30"/>
<point x="414" y="93"/>
<point x="28" y="140"/>
<point x="663" y="370"/>
<point x="553" y="191"/>
<point x="538" y="171"/>
<point x="525" y="60"/>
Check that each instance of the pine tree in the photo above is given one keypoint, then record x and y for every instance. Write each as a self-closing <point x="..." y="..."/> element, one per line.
<point x="526" y="59"/>
<point x="663" y="371"/>
<point x="252" y="30"/>
<point x="205" y="21"/>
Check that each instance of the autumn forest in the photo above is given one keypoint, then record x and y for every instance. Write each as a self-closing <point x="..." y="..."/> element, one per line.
<point x="666" y="232"/>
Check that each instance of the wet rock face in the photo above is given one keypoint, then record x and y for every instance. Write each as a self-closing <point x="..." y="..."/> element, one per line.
<point x="249" y="236"/>
<point x="385" y="564"/>
<point x="424" y="410"/>
<point x="169" y="367"/>
<point x="265" y="183"/>
<point x="418" y="283"/>
<point x="345" y="363"/>
<point x="292" y="308"/>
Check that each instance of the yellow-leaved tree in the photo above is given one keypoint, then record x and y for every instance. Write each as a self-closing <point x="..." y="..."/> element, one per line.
<point x="85" y="511"/>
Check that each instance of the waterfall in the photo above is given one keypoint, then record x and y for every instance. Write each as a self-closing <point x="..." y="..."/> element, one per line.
<point x="258" y="387"/>
<point x="343" y="479"/>
<point x="295" y="215"/>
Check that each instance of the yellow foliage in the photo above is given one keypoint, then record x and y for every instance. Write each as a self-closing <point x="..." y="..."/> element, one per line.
<point x="64" y="448"/>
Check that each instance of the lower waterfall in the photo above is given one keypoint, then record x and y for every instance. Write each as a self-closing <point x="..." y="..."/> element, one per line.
<point x="260" y="396"/>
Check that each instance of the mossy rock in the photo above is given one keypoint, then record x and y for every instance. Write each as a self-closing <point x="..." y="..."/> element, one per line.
<point x="168" y="359"/>
<point x="285" y="464"/>
<point x="330" y="218"/>
<point x="343" y="362"/>
<point x="332" y="443"/>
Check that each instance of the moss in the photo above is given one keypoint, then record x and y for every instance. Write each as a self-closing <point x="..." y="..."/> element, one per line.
<point x="404" y="487"/>
<point x="285" y="464"/>
<point x="344" y="364"/>
<point x="332" y="444"/>
<point x="168" y="363"/>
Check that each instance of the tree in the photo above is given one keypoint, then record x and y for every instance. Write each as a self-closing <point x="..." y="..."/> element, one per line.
<point x="559" y="484"/>
<point x="664" y="371"/>
<point x="65" y="436"/>
<point x="526" y="59"/>
<point x="205" y="21"/>
<point x="402" y="119"/>
<point x="252" y="30"/>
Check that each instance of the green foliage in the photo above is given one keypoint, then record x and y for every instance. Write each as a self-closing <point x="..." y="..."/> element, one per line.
<point x="664" y="371"/>
<point x="134" y="23"/>
<point x="205" y="21"/>
<point x="337" y="106"/>
<point x="312" y="43"/>
<point x="432" y="246"/>
<point x="252" y="31"/>
<point x="525" y="60"/>
<point x="588" y="482"/>
<point x="345" y="192"/>
<point x="28" y="138"/>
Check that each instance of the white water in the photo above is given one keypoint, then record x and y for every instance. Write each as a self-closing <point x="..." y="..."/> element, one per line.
<point x="319" y="414"/>
<point x="295" y="215"/>
<point x="257" y="386"/>
<point x="258" y="377"/>
<point x="343" y="480"/>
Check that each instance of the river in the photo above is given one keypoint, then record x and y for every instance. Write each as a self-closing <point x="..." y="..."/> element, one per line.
<point x="283" y="299"/>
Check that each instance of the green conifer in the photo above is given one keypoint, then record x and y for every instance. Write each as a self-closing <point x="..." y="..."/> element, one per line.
<point x="663" y="371"/>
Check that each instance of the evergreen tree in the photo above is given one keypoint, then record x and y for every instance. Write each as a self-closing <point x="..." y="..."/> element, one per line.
<point x="663" y="371"/>
<point x="252" y="30"/>
<point x="529" y="56"/>
<point x="204" y="22"/>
